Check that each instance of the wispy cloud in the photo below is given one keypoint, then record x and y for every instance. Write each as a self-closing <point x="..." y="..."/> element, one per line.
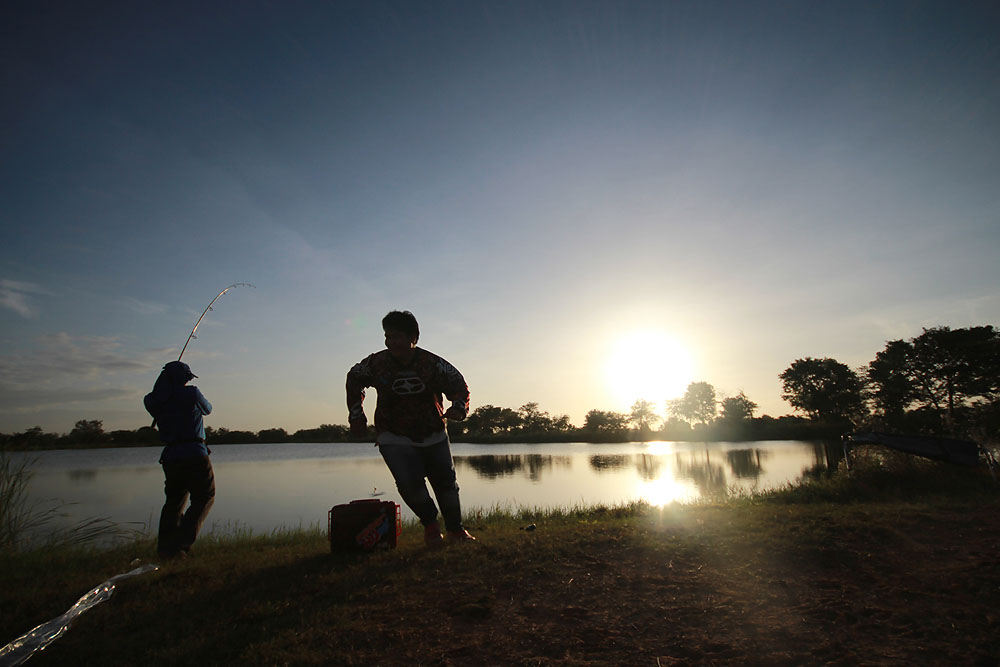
<point x="15" y="295"/>
<point x="62" y="355"/>
<point x="35" y="399"/>
<point x="145" y="307"/>
<point x="67" y="370"/>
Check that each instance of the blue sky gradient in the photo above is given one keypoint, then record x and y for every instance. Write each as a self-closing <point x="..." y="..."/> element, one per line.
<point x="758" y="181"/>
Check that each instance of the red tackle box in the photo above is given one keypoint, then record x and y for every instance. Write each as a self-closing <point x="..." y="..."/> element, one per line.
<point x="364" y="525"/>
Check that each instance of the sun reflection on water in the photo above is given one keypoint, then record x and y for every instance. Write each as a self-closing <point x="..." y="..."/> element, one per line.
<point x="665" y="490"/>
<point x="660" y="447"/>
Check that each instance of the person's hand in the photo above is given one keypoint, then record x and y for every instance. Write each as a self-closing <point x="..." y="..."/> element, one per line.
<point x="359" y="428"/>
<point x="454" y="412"/>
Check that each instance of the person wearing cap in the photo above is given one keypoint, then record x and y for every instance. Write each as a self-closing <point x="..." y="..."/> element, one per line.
<point x="177" y="409"/>
<point x="410" y="422"/>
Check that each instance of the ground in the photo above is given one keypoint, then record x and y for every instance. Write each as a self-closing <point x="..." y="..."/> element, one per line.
<point x="771" y="584"/>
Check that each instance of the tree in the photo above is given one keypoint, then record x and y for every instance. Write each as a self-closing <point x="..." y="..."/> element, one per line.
<point x="824" y="389"/>
<point x="88" y="431"/>
<point x="323" y="433"/>
<point x="601" y="421"/>
<point x="643" y="415"/>
<point x="953" y="367"/>
<point x="892" y="388"/>
<point x="533" y="420"/>
<point x="676" y="428"/>
<point x="561" y="424"/>
<point x="737" y="408"/>
<point x="490" y="420"/>
<point x="272" y="435"/>
<point x="697" y="405"/>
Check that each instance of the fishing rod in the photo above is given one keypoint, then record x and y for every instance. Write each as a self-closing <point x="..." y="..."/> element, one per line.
<point x="208" y="308"/>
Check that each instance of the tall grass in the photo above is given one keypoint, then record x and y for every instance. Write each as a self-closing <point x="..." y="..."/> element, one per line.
<point x="24" y="524"/>
<point x="15" y="515"/>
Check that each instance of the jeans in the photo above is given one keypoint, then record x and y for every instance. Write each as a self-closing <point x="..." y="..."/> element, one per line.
<point x="409" y="466"/>
<point x="183" y="478"/>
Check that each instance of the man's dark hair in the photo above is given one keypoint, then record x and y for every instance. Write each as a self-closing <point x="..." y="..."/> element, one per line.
<point x="401" y="320"/>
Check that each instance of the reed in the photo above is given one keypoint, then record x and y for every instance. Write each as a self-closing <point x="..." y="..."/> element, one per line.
<point x="28" y="526"/>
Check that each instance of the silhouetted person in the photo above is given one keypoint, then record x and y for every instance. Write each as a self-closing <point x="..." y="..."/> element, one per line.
<point x="177" y="410"/>
<point x="410" y="422"/>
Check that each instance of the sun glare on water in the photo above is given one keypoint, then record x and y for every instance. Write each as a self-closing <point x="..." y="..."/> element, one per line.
<point x="648" y="364"/>
<point x="664" y="491"/>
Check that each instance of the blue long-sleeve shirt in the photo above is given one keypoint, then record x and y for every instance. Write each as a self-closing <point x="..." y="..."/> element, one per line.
<point x="178" y="411"/>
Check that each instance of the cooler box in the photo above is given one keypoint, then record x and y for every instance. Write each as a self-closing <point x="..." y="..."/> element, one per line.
<point x="364" y="525"/>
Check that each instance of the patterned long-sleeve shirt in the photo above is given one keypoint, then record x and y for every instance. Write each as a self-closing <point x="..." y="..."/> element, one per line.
<point x="409" y="395"/>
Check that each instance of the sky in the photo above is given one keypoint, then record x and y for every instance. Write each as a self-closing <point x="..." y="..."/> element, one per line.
<point x="583" y="203"/>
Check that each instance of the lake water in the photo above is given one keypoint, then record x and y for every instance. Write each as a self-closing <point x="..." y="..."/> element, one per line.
<point x="267" y="487"/>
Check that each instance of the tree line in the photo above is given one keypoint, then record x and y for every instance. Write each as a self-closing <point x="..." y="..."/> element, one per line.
<point x="943" y="382"/>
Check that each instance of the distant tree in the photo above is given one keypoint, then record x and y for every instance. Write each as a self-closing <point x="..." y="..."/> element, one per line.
<point x="561" y="424"/>
<point x="697" y="405"/>
<point x="533" y="420"/>
<point x="601" y="421"/>
<point x="675" y="428"/>
<point x="324" y="433"/>
<point x="144" y="435"/>
<point x="491" y="420"/>
<point x="737" y="408"/>
<point x="224" y="436"/>
<point x="272" y="435"/>
<point x="824" y="389"/>
<point x="643" y="415"/>
<point x="33" y="438"/>
<point x="88" y="432"/>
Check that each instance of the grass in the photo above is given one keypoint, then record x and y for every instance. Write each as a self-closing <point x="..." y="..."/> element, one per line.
<point x="25" y="526"/>
<point x="894" y="563"/>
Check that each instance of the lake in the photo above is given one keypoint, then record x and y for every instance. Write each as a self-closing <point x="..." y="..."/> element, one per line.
<point x="268" y="487"/>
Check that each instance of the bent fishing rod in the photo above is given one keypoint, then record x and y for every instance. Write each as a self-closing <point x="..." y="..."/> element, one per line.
<point x="196" y="324"/>
<point x="208" y="308"/>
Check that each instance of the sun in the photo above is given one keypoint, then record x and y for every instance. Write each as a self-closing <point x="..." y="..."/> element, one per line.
<point x="648" y="364"/>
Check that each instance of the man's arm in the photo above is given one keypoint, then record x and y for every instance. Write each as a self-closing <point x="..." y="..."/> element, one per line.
<point x="456" y="389"/>
<point x="202" y="402"/>
<point x="358" y="378"/>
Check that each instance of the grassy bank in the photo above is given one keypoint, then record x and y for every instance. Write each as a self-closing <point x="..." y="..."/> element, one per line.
<point x="894" y="564"/>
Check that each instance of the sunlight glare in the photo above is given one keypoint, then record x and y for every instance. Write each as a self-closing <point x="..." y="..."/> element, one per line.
<point x="664" y="491"/>
<point x="650" y="365"/>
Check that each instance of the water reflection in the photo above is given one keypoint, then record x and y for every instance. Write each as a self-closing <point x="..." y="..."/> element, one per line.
<point x="648" y="466"/>
<point x="265" y="487"/>
<point x="704" y="468"/>
<point x="746" y="463"/>
<point x="709" y="477"/>
<point x="608" y="461"/>
<point x="532" y="465"/>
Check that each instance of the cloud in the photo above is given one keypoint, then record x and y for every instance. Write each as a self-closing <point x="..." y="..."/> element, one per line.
<point x="15" y="295"/>
<point x="64" y="377"/>
<point x="69" y="370"/>
<point x="34" y="399"/>
<point x="145" y="307"/>
<point x="65" y="356"/>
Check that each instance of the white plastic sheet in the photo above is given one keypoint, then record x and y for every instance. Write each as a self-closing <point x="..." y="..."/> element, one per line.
<point x="22" y="648"/>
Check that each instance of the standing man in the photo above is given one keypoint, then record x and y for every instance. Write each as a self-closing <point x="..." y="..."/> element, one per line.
<point x="410" y="422"/>
<point x="177" y="410"/>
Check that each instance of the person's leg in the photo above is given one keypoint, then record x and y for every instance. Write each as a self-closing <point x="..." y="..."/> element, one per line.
<point x="441" y="473"/>
<point x="200" y="480"/>
<point x="407" y="469"/>
<point x="170" y="516"/>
